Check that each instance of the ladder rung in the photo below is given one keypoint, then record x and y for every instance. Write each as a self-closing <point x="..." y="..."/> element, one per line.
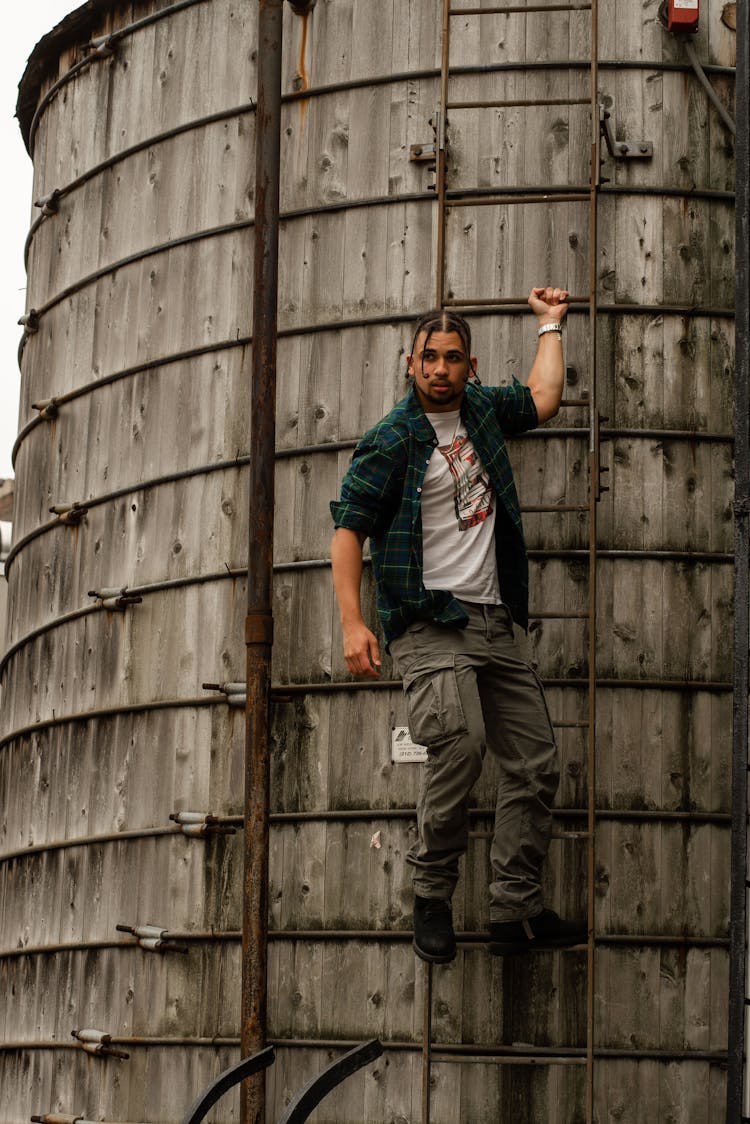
<point x="440" y="1056"/>
<point x="553" y="835"/>
<point x="571" y="724"/>
<point x="471" y="302"/>
<point x="469" y="200"/>
<point x="554" y="507"/>
<point x="575" y="402"/>
<point x="571" y="615"/>
<point x="517" y="103"/>
<point x="519" y="9"/>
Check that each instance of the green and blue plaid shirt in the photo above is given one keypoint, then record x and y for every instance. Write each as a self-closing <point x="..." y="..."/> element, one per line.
<point x="381" y="498"/>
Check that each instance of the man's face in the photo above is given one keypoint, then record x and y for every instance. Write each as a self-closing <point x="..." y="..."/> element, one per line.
<point x="441" y="369"/>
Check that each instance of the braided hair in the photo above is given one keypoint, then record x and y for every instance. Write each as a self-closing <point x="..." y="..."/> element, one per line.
<point x="443" y="320"/>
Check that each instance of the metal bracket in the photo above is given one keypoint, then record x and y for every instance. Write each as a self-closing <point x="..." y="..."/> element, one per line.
<point x="200" y="824"/>
<point x="420" y="152"/>
<point x="428" y="153"/>
<point x="71" y="513"/>
<point x="98" y="1042"/>
<point x="152" y="938"/>
<point x="621" y="150"/>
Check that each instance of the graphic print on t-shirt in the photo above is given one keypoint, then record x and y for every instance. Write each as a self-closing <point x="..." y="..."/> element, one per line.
<point x="472" y="488"/>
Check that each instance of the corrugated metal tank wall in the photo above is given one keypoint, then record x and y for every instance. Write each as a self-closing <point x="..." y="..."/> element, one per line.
<point x="142" y="279"/>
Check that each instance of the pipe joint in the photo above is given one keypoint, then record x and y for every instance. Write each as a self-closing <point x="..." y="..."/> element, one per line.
<point x="200" y="824"/>
<point x="57" y="1118"/>
<point x="71" y="513"/>
<point x="98" y="1042"/>
<point x="103" y="46"/>
<point x="235" y="693"/>
<point x="30" y="322"/>
<point x="259" y="628"/>
<point x="115" y="599"/>
<point x="47" y="407"/>
<point x="49" y="204"/>
<point x="152" y="938"/>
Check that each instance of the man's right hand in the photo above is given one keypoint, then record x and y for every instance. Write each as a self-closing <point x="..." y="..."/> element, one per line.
<point x="361" y="651"/>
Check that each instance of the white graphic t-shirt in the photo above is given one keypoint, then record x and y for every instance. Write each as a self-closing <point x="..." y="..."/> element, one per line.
<point x="458" y="516"/>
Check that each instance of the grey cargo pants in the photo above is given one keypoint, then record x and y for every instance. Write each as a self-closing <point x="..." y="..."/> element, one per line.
<point x="467" y="691"/>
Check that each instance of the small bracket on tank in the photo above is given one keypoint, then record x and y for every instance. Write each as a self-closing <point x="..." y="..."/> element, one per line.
<point x="235" y="693"/>
<point x="199" y="824"/>
<point x="49" y="204"/>
<point x="71" y="513"/>
<point x="47" y="408"/>
<point x="302" y="7"/>
<point x="103" y="45"/>
<point x="622" y="150"/>
<point x="152" y="938"/>
<point x="98" y="1042"/>
<point x="116" y="599"/>
<point x="30" y="322"/>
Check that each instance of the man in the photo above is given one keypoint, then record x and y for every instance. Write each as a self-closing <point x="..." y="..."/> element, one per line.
<point x="432" y="487"/>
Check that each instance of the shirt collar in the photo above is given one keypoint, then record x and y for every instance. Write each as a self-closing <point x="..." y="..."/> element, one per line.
<point x="418" y="419"/>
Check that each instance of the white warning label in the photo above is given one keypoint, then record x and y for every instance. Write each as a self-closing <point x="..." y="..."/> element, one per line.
<point x="403" y="749"/>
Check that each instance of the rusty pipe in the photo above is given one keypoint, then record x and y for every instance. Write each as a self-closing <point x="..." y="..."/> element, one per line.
<point x="259" y="620"/>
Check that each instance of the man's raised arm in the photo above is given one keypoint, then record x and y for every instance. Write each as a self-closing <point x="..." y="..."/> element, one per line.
<point x="547" y="374"/>
<point x="361" y="650"/>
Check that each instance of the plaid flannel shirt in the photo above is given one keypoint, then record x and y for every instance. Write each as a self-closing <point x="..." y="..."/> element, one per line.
<point x="381" y="498"/>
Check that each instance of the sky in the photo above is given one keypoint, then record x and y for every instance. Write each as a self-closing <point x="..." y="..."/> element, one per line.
<point x="23" y="27"/>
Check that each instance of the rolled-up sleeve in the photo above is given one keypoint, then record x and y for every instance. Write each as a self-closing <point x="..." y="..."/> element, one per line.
<point x="515" y="409"/>
<point x="365" y="488"/>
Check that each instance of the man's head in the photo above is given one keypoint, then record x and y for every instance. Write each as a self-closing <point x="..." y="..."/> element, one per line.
<point x="441" y="362"/>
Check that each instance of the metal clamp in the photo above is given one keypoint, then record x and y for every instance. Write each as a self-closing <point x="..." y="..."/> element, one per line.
<point x="199" y="824"/>
<point x="236" y="693"/>
<point x="47" y="407"/>
<point x="49" y="204"/>
<point x="58" y="1118"/>
<point x="151" y="938"/>
<point x="117" y="599"/>
<point x="634" y="150"/>
<point x="103" y="45"/>
<point x="71" y="513"/>
<point x="30" y="322"/>
<point x="98" y="1042"/>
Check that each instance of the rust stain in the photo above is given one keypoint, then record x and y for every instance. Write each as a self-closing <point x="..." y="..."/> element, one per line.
<point x="302" y="80"/>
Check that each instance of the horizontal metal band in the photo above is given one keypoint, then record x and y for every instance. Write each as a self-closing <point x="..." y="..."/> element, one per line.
<point x="403" y="76"/>
<point x="468" y="1052"/>
<point x="368" y="815"/>
<point x="245" y="224"/>
<point x="377" y="936"/>
<point x="519" y="9"/>
<point x="232" y="573"/>
<point x="112" y="37"/>
<point x="710" y="194"/>
<point x="108" y="712"/>
<point x="546" y="433"/>
<point x="283" y="691"/>
<point x="390" y="320"/>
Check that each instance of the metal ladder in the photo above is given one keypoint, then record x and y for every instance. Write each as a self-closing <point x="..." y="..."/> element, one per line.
<point x="447" y="200"/>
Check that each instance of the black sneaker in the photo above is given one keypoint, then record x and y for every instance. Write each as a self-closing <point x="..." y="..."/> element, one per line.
<point x="544" y="931"/>
<point x="434" y="939"/>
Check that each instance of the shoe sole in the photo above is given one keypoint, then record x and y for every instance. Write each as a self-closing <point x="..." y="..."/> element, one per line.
<point x="432" y="959"/>
<point x="518" y="948"/>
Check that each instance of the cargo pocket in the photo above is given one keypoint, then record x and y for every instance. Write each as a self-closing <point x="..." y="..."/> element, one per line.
<point x="432" y="700"/>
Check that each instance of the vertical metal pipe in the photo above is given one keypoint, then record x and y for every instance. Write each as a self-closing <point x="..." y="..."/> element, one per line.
<point x="259" y="620"/>
<point x="427" y="1044"/>
<point x="737" y="1079"/>
<point x="594" y="492"/>
<point x="441" y="155"/>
